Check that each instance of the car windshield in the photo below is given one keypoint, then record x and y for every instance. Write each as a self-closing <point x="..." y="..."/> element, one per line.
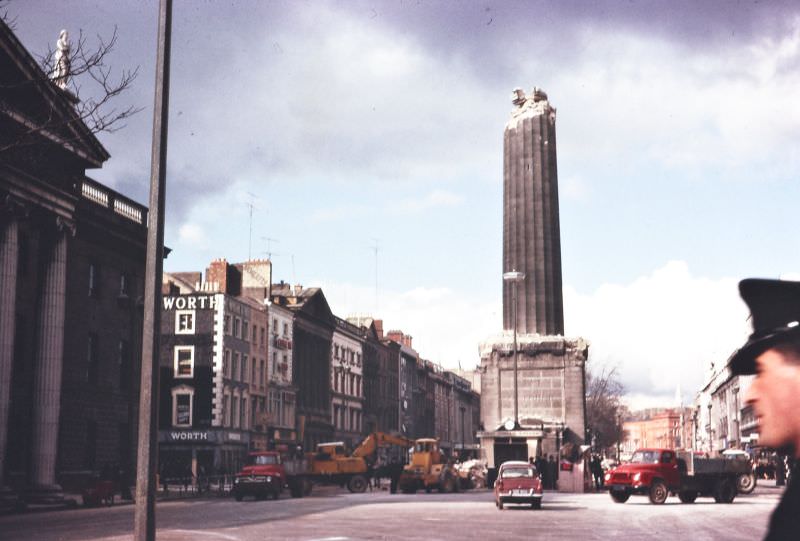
<point x="262" y="460"/>
<point x="645" y="457"/>
<point x="521" y="471"/>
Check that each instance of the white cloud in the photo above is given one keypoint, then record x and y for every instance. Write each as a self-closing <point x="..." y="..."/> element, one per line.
<point x="681" y="108"/>
<point x="661" y="330"/>
<point x="446" y="326"/>
<point x="193" y="234"/>
<point x="434" y="199"/>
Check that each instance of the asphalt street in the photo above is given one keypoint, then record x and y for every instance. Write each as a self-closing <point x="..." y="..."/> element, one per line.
<point x="334" y="515"/>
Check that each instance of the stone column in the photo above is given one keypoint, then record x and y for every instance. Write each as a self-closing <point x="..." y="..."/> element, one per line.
<point x="9" y="247"/>
<point x="48" y="367"/>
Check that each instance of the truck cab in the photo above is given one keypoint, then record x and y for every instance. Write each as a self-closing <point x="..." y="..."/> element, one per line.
<point x="658" y="473"/>
<point x="262" y="475"/>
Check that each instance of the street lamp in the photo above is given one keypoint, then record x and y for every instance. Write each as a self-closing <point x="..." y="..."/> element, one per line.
<point x="514" y="277"/>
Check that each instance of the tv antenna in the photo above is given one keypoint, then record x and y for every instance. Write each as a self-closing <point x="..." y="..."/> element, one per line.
<point x="269" y="246"/>
<point x="375" y="249"/>
<point x="251" y="205"/>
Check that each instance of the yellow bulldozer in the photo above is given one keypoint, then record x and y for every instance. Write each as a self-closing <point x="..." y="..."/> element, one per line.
<point x="332" y="464"/>
<point x="428" y="469"/>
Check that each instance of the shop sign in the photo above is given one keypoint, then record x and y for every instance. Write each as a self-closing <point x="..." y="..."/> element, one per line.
<point x="234" y="436"/>
<point x="201" y="435"/>
<point x="190" y="302"/>
<point x="283" y="343"/>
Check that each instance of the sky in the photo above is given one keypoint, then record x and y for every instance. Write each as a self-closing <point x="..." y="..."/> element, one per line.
<point x="366" y="137"/>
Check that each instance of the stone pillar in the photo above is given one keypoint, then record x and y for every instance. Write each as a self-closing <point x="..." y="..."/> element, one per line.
<point x="9" y="246"/>
<point x="531" y="227"/>
<point x="48" y="367"/>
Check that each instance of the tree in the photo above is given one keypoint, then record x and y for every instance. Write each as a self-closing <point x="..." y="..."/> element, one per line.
<point x="604" y="409"/>
<point x="91" y="86"/>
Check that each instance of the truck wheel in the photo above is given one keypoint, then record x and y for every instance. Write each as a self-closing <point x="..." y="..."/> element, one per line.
<point x="658" y="492"/>
<point x="746" y="483"/>
<point x="619" y="496"/>
<point x="725" y="491"/>
<point x="446" y="485"/>
<point x="357" y="484"/>
<point x="687" y="496"/>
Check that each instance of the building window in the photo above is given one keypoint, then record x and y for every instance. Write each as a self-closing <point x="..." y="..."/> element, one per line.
<point x="235" y="368"/>
<point x="285" y="329"/>
<point x="236" y="324"/>
<point x="263" y="336"/>
<point x="243" y="414"/>
<point x="275" y="325"/>
<point x="184" y="361"/>
<point x="226" y="410"/>
<point x="274" y="363"/>
<point x="254" y="336"/>
<point x="227" y="329"/>
<point x="124" y="364"/>
<point x="261" y="373"/>
<point x="182" y="403"/>
<point x="94" y="280"/>
<point x="243" y="375"/>
<point x="124" y="285"/>
<point x="92" y="362"/>
<point x="253" y="379"/>
<point x="245" y="330"/>
<point x="90" y="446"/>
<point x="226" y="368"/>
<point x="184" y="322"/>
<point x="235" y="412"/>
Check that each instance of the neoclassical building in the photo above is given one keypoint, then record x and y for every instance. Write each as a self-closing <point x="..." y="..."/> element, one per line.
<point x="72" y="256"/>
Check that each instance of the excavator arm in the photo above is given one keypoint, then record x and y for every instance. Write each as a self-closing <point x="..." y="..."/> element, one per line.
<point x="371" y="443"/>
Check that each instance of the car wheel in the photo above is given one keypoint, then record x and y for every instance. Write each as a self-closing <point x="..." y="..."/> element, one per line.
<point x="687" y="496"/>
<point x="536" y="504"/>
<point x="237" y="496"/>
<point x="725" y="492"/>
<point x="619" y="496"/>
<point x="500" y="504"/>
<point x="746" y="483"/>
<point x="658" y="492"/>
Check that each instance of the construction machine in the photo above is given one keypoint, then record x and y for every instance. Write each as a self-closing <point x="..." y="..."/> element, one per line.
<point x="332" y="464"/>
<point x="428" y="469"/>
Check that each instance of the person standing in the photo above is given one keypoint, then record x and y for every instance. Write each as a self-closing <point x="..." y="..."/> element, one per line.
<point x="772" y="354"/>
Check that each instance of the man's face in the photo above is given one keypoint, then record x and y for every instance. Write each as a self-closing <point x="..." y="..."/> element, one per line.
<point x="775" y="396"/>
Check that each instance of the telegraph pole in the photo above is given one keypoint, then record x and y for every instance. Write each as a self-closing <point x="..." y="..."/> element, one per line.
<point x="144" y="528"/>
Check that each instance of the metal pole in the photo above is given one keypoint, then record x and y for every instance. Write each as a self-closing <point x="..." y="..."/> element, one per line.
<point x="145" y="512"/>
<point x="516" y="400"/>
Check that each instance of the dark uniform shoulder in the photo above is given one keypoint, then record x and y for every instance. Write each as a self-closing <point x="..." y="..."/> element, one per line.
<point x="784" y="524"/>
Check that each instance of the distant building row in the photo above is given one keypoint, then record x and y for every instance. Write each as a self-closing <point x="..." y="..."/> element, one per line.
<point x="246" y="364"/>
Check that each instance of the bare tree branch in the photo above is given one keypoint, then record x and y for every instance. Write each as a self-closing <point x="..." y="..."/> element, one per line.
<point x="92" y="83"/>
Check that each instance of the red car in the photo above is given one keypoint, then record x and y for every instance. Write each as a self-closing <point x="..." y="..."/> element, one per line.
<point x="518" y="482"/>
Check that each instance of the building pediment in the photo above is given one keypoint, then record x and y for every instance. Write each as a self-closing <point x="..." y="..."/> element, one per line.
<point x="30" y="103"/>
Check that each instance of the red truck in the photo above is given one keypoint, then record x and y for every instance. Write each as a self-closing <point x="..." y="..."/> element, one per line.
<point x="265" y="474"/>
<point x="658" y="473"/>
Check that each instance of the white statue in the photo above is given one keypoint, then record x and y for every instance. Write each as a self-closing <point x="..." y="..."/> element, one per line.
<point x="61" y="65"/>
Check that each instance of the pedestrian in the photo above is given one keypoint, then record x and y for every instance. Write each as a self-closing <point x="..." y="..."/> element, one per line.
<point x="772" y="354"/>
<point x="395" y="470"/>
<point x="552" y="472"/>
<point x="596" y="467"/>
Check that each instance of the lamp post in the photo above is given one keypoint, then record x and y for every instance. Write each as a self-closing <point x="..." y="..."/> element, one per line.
<point x="514" y="277"/>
